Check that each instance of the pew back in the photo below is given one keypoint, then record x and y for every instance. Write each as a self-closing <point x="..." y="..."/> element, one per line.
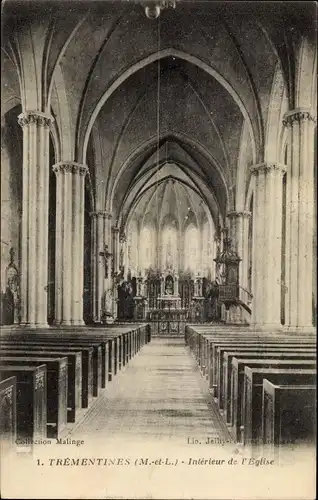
<point x="31" y="399"/>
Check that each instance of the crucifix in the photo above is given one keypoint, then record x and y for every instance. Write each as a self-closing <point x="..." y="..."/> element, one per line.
<point x="106" y="254"/>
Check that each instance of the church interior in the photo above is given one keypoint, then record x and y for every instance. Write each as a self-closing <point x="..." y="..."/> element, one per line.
<point x="158" y="164"/>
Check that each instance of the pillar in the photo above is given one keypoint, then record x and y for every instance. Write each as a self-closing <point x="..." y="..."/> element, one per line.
<point x="115" y="269"/>
<point x="69" y="275"/>
<point x="239" y="236"/>
<point x="176" y="285"/>
<point x="267" y="242"/>
<point x="116" y="248"/>
<point x="299" y="219"/>
<point x="35" y="202"/>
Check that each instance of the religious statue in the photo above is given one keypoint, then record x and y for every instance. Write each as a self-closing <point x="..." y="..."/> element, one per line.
<point x="169" y="286"/>
<point x="106" y="254"/>
<point x="12" y="294"/>
<point x="108" y="305"/>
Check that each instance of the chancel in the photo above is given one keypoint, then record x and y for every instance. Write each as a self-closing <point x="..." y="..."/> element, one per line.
<point x="158" y="166"/>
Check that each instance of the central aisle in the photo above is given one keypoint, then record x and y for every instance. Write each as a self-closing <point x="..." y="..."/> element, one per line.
<point x="133" y="443"/>
<point x="160" y="394"/>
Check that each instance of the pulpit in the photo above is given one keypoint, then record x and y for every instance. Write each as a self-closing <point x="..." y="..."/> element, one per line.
<point x="229" y="289"/>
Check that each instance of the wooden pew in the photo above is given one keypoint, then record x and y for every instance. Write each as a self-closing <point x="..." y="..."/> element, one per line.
<point x="253" y="393"/>
<point x="74" y="375"/>
<point x="125" y="338"/>
<point x="216" y="366"/>
<point x="87" y="364"/>
<point x="202" y="334"/>
<point x="288" y="414"/>
<point x="61" y="340"/>
<point x="115" y="346"/>
<point x="8" y="415"/>
<point x="212" y="340"/>
<point x="253" y="350"/>
<point x="91" y="337"/>
<point x="237" y="380"/>
<point x="56" y="378"/>
<point x="31" y="400"/>
<point x="249" y="341"/>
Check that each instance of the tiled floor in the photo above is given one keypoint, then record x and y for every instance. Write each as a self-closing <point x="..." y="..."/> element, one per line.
<point x="160" y="394"/>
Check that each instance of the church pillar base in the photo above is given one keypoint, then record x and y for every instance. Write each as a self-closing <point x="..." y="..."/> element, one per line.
<point x="266" y="327"/>
<point x="299" y="329"/>
<point x="71" y="323"/>
<point x="33" y="326"/>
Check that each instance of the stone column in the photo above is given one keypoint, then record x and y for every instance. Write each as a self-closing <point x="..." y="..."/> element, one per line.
<point x="98" y="263"/>
<point x="224" y="234"/>
<point x="239" y="237"/>
<point x="232" y="228"/>
<point x="69" y="274"/>
<point x="116" y="248"/>
<point x="176" y="283"/>
<point x="267" y="242"/>
<point x="35" y="202"/>
<point x="212" y="255"/>
<point x="299" y="219"/>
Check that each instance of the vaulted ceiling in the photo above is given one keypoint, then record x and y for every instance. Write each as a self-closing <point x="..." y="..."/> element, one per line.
<point x="169" y="195"/>
<point x="130" y="95"/>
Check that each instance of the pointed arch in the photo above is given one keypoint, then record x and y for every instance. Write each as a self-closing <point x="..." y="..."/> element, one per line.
<point x="179" y="138"/>
<point x="170" y="52"/>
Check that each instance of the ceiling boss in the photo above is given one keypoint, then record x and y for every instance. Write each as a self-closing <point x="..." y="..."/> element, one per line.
<point x="153" y="9"/>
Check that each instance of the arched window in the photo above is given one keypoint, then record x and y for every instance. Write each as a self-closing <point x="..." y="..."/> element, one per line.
<point x="147" y="247"/>
<point x="170" y="249"/>
<point x="191" y="248"/>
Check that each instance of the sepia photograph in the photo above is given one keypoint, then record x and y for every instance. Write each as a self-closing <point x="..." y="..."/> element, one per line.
<point x="158" y="250"/>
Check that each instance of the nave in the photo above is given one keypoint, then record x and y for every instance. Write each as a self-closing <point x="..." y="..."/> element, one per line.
<point x="161" y="405"/>
<point x="255" y="389"/>
<point x="158" y="246"/>
<point x="160" y="395"/>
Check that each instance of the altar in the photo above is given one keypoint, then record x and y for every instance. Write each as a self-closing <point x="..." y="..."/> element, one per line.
<point x="168" y="317"/>
<point x="170" y="321"/>
<point x="165" y="299"/>
<point x="169" y="302"/>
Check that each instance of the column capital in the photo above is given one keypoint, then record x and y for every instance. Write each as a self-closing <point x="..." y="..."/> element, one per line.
<point x="237" y="214"/>
<point x="36" y="117"/>
<point x="268" y="167"/>
<point x="298" y="115"/>
<point x="70" y="167"/>
<point x="102" y="214"/>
